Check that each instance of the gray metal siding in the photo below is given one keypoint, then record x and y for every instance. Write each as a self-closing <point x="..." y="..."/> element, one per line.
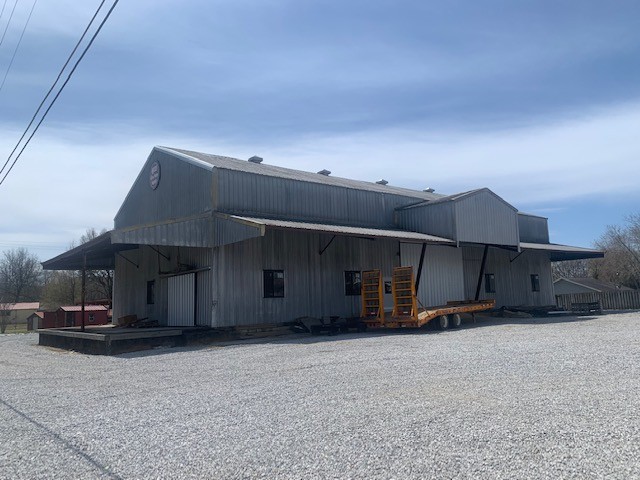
<point x="533" y="229"/>
<point x="130" y="282"/>
<point x="228" y="231"/>
<point x="181" y="300"/>
<point x="195" y="232"/>
<point x="184" y="190"/>
<point x="314" y="283"/>
<point x="250" y="194"/>
<point x="437" y="219"/>
<point x="442" y="275"/>
<point x="483" y="218"/>
<point x="562" y="287"/>
<point x="512" y="276"/>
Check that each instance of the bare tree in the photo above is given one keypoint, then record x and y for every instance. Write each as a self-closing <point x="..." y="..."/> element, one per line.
<point x="99" y="282"/>
<point x="571" y="269"/>
<point x="60" y="288"/>
<point x="621" y="244"/>
<point x="20" y="276"/>
<point x="5" y="311"/>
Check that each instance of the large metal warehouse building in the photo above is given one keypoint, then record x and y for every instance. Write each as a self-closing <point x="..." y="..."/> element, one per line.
<point x="214" y="241"/>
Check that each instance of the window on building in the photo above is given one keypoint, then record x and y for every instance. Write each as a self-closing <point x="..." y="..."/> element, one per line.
<point x="151" y="292"/>
<point x="92" y="317"/>
<point x="352" y="282"/>
<point x="273" y="283"/>
<point x="535" y="282"/>
<point x="489" y="283"/>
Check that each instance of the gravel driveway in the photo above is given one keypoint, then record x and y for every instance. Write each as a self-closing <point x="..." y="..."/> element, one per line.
<point x="514" y="398"/>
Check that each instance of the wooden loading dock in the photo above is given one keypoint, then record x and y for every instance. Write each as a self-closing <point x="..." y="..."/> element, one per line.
<point x="407" y="313"/>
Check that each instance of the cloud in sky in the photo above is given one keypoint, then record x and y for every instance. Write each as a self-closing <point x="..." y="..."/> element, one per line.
<point x="538" y="102"/>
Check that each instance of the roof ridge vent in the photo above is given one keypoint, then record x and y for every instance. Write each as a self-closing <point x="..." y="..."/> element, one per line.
<point x="325" y="172"/>
<point x="382" y="181"/>
<point x="429" y="190"/>
<point x="255" y="159"/>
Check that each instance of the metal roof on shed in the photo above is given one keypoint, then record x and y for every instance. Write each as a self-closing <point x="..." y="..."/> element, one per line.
<point x="344" y="230"/>
<point x="236" y="164"/>
<point x="563" y="252"/>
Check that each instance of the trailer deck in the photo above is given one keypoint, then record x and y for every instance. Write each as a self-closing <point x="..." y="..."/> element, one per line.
<point x="406" y="313"/>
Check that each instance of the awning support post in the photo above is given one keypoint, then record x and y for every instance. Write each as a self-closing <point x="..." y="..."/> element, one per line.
<point x="482" y="265"/>
<point x="84" y="282"/>
<point x="419" y="274"/>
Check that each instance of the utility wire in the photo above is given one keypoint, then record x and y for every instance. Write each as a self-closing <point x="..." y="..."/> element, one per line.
<point x="18" y="45"/>
<point x="104" y="20"/>
<point x="33" y="119"/>
<point x="2" y="11"/>
<point x="8" y="23"/>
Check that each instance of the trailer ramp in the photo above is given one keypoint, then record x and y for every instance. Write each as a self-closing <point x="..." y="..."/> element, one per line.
<point x="406" y="311"/>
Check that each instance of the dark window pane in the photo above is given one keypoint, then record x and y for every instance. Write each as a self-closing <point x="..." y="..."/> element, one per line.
<point x="151" y="292"/>
<point x="535" y="282"/>
<point x="273" y="283"/>
<point x="489" y="283"/>
<point x="352" y="282"/>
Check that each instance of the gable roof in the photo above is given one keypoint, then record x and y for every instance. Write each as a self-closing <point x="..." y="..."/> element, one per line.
<point x="87" y="308"/>
<point x="593" y="284"/>
<point x="459" y="196"/>
<point x="24" y="306"/>
<point x="235" y="164"/>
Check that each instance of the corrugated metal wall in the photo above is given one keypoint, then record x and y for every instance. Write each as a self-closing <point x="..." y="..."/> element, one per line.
<point x="181" y="300"/>
<point x="513" y="281"/>
<point x="228" y="231"/>
<point x="437" y="219"/>
<point x="483" y="218"/>
<point x="533" y="229"/>
<point x="186" y="233"/>
<point x="259" y="195"/>
<point x="184" y="190"/>
<point x="442" y="276"/>
<point x="562" y="287"/>
<point x="314" y="283"/>
<point x="130" y="283"/>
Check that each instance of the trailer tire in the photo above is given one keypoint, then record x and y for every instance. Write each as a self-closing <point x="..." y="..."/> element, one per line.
<point x="442" y="322"/>
<point x="455" y="320"/>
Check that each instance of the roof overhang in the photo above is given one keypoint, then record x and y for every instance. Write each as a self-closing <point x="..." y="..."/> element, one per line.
<point x="100" y="255"/>
<point x="559" y="253"/>
<point x="342" y="230"/>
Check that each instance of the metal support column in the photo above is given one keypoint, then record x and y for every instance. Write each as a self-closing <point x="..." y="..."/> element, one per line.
<point x="484" y="262"/>
<point x="84" y="282"/>
<point x="419" y="274"/>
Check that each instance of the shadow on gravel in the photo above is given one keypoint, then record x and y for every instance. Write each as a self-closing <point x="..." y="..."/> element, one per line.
<point x="65" y="443"/>
<point x="308" y="339"/>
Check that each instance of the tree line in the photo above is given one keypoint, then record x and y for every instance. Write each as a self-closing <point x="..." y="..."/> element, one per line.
<point x="621" y="262"/>
<point x="23" y="280"/>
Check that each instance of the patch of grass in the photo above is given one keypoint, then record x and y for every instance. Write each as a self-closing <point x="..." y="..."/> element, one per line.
<point x="20" y="328"/>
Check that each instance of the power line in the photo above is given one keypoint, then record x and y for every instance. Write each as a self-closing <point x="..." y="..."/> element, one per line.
<point x="75" y="66"/>
<point x="8" y="23"/>
<point x="54" y="84"/>
<point x="18" y="45"/>
<point x="2" y="11"/>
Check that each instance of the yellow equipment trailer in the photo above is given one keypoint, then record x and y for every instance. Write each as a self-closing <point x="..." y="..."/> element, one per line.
<point x="406" y="313"/>
<point x="372" y="299"/>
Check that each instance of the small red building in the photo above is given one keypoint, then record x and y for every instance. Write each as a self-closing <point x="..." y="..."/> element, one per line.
<point x="71" y="316"/>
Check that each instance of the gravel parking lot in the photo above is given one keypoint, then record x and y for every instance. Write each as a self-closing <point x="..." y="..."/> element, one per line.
<point x="508" y="398"/>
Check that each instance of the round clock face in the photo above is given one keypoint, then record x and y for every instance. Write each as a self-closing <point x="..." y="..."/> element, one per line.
<point x="154" y="175"/>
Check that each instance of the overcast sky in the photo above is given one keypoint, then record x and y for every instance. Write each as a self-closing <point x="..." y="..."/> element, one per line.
<point x="539" y="102"/>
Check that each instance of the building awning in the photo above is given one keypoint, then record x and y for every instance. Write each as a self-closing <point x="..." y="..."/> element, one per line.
<point x="558" y="253"/>
<point x="363" y="232"/>
<point x="100" y="254"/>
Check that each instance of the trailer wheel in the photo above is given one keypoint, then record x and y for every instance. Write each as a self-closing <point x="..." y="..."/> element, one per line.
<point x="442" y="323"/>
<point x="455" y="320"/>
